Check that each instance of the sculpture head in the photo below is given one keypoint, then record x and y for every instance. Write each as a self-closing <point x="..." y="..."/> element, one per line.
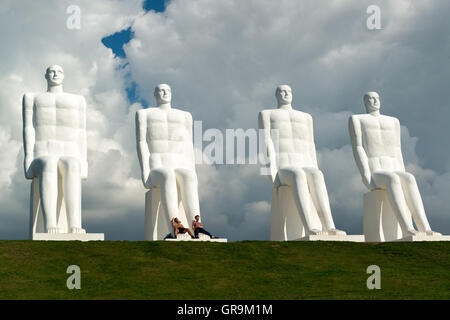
<point x="283" y="94"/>
<point x="163" y="94"/>
<point x="372" y="101"/>
<point x="54" y="75"/>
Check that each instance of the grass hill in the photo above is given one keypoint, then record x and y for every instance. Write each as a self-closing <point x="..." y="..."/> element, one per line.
<point x="236" y="270"/>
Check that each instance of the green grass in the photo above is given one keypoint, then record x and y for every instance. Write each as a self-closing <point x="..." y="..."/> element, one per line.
<point x="236" y="270"/>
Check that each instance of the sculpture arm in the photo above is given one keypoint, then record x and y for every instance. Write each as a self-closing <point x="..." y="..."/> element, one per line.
<point x="142" y="147"/>
<point x="312" y="150"/>
<point x="264" y="124"/>
<point x="83" y="140"/>
<point x="399" y="155"/>
<point x="191" y="153"/>
<point x="361" y="159"/>
<point x="29" y="135"/>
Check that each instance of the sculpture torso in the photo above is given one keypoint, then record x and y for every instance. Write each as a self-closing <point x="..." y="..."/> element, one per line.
<point x="169" y="138"/>
<point x="57" y="121"/>
<point x="381" y="141"/>
<point x="296" y="142"/>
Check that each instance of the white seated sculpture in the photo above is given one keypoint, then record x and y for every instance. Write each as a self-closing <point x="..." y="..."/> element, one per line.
<point x="300" y="205"/>
<point x="54" y="135"/>
<point x="394" y="198"/>
<point x="166" y="156"/>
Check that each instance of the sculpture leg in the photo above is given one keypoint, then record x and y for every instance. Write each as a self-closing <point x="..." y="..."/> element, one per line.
<point x="165" y="179"/>
<point x="414" y="202"/>
<point x="189" y="192"/>
<point x="70" y="170"/>
<point x="297" y="180"/>
<point x="47" y="171"/>
<point x="319" y="195"/>
<point x="391" y="182"/>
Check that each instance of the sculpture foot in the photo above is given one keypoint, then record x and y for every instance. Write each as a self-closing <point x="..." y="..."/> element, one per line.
<point x="336" y="232"/>
<point x="53" y="230"/>
<point x="433" y="233"/>
<point x="411" y="232"/>
<point x="316" y="232"/>
<point x="77" y="230"/>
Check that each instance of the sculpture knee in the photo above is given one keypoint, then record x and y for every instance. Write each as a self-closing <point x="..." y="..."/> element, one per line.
<point x="168" y="176"/>
<point x="71" y="165"/>
<point x="394" y="180"/>
<point x="317" y="175"/>
<point x="409" y="179"/>
<point x="45" y="165"/>
<point x="188" y="177"/>
<point x="299" y="176"/>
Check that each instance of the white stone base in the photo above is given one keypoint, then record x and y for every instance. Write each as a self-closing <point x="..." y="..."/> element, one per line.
<point x="424" y="238"/>
<point x="68" y="236"/>
<point x="201" y="237"/>
<point x="350" y="238"/>
<point x="200" y="240"/>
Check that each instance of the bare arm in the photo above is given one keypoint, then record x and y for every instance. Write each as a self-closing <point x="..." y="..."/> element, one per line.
<point x="142" y="147"/>
<point x="83" y="140"/>
<point x="399" y="155"/>
<point x="361" y="159"/>
<point x="191" y="152"/>
<point x="29" y="137"/>
<point x="312" y="144"/>
<point x="264" y="124"/>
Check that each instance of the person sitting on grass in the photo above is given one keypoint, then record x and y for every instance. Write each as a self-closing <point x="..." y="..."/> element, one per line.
<point x="179" y="228"/>
<point x="198" y="228"/>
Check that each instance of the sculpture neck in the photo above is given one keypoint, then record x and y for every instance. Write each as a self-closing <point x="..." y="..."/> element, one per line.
<point x="55" y="89"/>
<point x="285" y="106"/>
<point x="165" y="106"/>
<point x="375" y="113"/>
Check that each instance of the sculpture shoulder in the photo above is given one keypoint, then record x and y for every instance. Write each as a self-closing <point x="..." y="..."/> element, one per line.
<point x="303" y="114"/>
<point x="181" y="112"/>
<point x="357" y="117"/>
<point x="391" y="119"/>
<point x="28" y="98"/>
<point x="186" y="114"/>
<point x="73" y="96"/>
<point x="29" y="95"/>
<point x="267" y="112"/>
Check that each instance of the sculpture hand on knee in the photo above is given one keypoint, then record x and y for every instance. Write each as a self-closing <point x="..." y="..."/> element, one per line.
<point x="166" y="156"/>
<point x="293" y="162"/>
<point x="55" y="148"/>
<point x="381" y="164"/>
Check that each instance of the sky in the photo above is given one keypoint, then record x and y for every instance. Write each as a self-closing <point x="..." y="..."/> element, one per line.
<point x="223" y="60"/>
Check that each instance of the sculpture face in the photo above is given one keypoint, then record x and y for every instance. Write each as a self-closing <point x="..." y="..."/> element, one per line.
<point x="163" y="94"/>
<point x="284" y="94"/>
<point x="372" y="101"/>
<point x="54" y="75"/>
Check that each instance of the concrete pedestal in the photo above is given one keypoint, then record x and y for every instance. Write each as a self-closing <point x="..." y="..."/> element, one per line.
<point x="350" y="238"/>
<point x="201" y="237"/>
<point x="68" y="236"/>
<point x="380" y="223"/>
<point x="417" y="238"/>
<point x="157" y="221"/>
<point x="37" y="228"/>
